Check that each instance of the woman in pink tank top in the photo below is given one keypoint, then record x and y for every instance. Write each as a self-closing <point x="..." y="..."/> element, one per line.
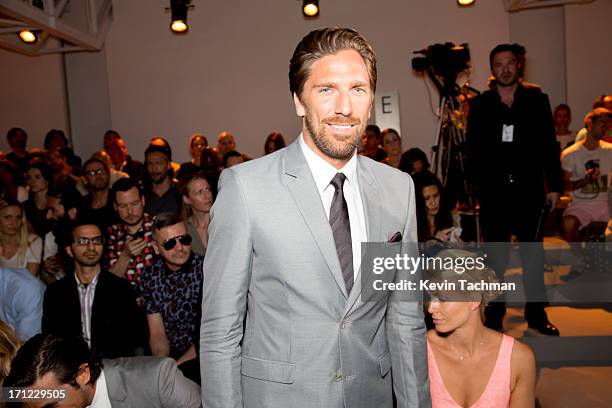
<point x="470" y="365"/>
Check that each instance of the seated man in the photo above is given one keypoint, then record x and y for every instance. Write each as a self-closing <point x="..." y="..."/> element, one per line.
<point x="81" y="380"/>
<point x="93" y="302"/>
<point x="587" y="166"/>
<point x="130" y="242"/>
<point x="172" y="293"/>
<point x="21" y="300"/>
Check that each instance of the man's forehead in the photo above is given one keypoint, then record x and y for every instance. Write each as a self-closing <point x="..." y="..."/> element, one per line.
<point x="504" y="56"/>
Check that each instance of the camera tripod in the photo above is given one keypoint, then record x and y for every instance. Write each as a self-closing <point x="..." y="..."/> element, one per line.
<point x="449" y="152"/>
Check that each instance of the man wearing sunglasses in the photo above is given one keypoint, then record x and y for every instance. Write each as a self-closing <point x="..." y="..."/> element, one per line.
<point x="93" y="302"/>
<point x="172" y="293"/>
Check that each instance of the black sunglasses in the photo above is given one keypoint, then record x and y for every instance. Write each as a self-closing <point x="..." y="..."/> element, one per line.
<point x="171" y="242"/>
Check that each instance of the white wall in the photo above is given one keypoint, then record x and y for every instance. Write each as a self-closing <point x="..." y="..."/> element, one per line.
<point x="541" y="31"/>
<point x="230" y="70"/>
<point x="31" y="96"/>
<point x="589" y="56"/>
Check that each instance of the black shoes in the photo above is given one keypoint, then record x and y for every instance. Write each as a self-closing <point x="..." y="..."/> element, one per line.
<point x="544" y="327"/>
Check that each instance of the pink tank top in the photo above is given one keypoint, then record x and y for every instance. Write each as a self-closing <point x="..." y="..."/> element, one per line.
<point x="497" y="391"/>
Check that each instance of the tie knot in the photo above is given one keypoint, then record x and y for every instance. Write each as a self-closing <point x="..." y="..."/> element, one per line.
<point x="338" y="181"/>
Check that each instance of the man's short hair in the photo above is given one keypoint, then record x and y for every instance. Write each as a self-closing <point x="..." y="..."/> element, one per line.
<point x="518" y="50"/>
<point x="596" y="114"/>
<point x="124" y="185"/>
<point x="51" y="134"/>
<point x="81" y="222"/>
<point x="231" y="153"/>
<point x="562" y="106"/>
<point x="327" y="41"/>
<point x="600" y="101"/>
<point x="13" y="132"/>
<point x="373" y="128"/>
<point x="159" y="149"/>
<point x="49" y="353"/>
<point x="166" y="219"/>
<point x="95" y="160"/>
<point x="69" y="199"/>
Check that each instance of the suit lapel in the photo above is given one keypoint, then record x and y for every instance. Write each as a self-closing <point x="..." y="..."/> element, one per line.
<point x="370" y="197"/>
<point x="304" y="191"/>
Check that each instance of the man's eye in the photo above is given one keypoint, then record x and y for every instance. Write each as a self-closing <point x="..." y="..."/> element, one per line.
<point x="325" y="90"/>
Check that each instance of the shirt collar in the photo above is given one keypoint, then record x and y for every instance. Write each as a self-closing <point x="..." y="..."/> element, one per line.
<point x="322" y="171"/>
<point x="101" y="398"/>
<point x="93" y="282"/>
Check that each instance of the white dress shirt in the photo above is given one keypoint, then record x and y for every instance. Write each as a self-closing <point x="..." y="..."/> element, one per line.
<point x="323" y="173"/>
<point x="101" y="398"/>
<point x="87" y="292"/>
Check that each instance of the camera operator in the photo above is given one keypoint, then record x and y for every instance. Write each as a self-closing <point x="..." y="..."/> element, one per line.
<point x="586" y="171"/>
<point x="516" y="175"/>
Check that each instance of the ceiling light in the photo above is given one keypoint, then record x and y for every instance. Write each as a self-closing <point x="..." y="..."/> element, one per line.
<point x="465" y="3"/>
<point x="310" y="8"/>
<point x="28" y="36"/>
<point x="179" y="15"/>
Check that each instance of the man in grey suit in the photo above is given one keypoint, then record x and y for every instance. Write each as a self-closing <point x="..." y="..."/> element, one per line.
<point x="80" y="380"/>
<point x="285" y="252"/>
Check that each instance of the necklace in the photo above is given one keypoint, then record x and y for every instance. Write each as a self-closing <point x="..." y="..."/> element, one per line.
<point x="461" y="357"/>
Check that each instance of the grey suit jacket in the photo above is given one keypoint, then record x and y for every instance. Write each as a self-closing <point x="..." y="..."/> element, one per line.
<point x="272" y="257"/>
<point x="149" y="382"/>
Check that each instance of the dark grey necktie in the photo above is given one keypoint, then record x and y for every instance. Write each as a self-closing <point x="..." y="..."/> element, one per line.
<point x="341" y="228"/>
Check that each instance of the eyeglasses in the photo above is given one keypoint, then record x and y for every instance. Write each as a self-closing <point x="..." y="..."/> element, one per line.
<point x="171" y="242"/>
<point x="93" y="173"/>
<point x="84" y="241"/>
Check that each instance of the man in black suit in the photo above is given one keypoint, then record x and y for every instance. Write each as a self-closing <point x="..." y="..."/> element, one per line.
<point x="93" y="302"/>
<point x="516" y="173"/>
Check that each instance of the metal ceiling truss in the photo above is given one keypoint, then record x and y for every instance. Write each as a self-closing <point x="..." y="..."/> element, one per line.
<point x="516" y="5"/>
<point x="60" y="25"/>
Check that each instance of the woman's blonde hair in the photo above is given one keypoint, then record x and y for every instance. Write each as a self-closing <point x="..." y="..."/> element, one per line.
<point x="24" y="233"/>
<point x="472" y="272"/>
<point x="9" y="344"/>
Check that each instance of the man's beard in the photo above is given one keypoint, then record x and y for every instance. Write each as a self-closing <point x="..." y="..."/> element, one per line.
<point x="83" y="261"/>
<point x="159" y="178"/>
<point x="327" y="143"/>
<point x="508" y="83"/>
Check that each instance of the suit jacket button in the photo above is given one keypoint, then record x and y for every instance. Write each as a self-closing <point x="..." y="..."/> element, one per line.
<point x="338" y="376"/>
<point x="344" y="324"/>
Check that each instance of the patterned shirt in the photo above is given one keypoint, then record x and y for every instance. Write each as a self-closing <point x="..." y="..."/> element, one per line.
<point x="117" y="235"/>
<point x="177" y="296"/>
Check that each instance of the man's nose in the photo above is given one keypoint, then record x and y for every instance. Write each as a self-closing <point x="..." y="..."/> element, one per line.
<point x="343" y="103"/>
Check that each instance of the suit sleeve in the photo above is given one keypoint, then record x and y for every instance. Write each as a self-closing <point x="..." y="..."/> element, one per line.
<point x="29" y="310"/>
<point x="227" y="270"/>
<point x="405" y="326"/>
<point x="175" y="389"/>
<point x="473" y="139"/>
<point x="49" y="311"/>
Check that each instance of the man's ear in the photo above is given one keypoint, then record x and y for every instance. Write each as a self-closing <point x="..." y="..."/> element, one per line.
<point x="299" y="108"/>
<point x="69" y="251"/>
<point x="156" y="247"/>
<point x="83" y="375"/>
<point x="72" y="213"/>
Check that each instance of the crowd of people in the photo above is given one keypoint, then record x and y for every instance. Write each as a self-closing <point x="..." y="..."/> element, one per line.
<point x="122" y="259"/>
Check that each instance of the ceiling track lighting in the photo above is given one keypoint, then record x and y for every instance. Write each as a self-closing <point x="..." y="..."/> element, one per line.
<point x="28" y="36"/>
<point x="310" y="8"/>
<point x="179" y="8"/>
<point x="466" y="3"/>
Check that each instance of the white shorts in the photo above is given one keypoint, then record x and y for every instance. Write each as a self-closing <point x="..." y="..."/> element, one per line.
<point x="588" y="212"/>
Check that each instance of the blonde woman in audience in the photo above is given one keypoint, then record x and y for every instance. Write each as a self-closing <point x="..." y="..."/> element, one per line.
<point x="197" y="196"/>
<point x="9" y="344"/>
<point x="469" y="364"/>
<point x="392" y="145"/>
<point x="20" y="247"/>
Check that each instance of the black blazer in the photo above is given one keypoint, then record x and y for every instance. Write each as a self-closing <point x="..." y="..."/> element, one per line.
<point x="531" y="160"/>
<point x="117" y="323"/>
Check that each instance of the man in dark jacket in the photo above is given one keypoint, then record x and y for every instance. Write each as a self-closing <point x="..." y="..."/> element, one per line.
<point x="516" y="174"/>
<point x="93" y="302"/>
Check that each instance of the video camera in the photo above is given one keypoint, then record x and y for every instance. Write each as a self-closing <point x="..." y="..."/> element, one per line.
<point x="446" y="60"/>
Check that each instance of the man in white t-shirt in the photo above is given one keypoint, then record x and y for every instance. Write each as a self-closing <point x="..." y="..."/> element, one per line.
<point x="587" y="169"/>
